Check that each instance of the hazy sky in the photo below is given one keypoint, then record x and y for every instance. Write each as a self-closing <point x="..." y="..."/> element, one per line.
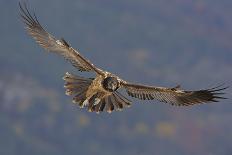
<point x="162" y="42"/>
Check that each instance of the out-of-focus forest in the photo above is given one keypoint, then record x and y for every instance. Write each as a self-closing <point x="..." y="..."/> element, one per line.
<point x="160" y="42"/>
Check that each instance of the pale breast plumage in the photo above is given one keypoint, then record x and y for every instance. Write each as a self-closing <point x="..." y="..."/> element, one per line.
<point x="101" y="93"/>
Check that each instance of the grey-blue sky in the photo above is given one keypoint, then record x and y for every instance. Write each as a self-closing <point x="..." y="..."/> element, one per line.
<point x="153" y="42"/>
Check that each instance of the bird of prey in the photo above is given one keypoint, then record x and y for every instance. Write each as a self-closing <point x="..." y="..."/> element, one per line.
<point x="101" y="93"/>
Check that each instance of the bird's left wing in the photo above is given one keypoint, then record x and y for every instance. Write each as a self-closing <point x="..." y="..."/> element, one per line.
<point x="50" y="43"/>
<point x="174" y="96"/>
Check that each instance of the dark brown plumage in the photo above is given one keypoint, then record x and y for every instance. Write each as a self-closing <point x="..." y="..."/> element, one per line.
<point x="175" y="96"/>
<point x="102" y="92"/>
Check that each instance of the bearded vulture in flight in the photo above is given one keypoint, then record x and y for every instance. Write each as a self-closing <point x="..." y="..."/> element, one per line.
<point x="101" y="93"/>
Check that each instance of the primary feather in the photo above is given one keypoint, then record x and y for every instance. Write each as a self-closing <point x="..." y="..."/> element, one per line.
<point x="174" y="96"/>
<point x="101" y="93"/>
<point x="50" y="43"/>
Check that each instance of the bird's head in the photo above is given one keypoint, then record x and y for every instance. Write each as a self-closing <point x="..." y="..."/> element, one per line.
<point x="110" y="84"/>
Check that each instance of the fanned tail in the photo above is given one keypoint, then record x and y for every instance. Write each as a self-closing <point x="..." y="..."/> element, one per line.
<point x="109" y="103"/>
<point x="78" y="86"/>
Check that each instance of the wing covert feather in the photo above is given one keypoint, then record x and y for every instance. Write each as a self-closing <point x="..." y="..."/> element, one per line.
<point x="174" y="96"/>
<point x="50" y="43"/>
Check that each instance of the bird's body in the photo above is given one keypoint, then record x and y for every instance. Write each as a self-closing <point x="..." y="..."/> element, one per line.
<point x="102" y="92"/>
<point x="96" y="94"/>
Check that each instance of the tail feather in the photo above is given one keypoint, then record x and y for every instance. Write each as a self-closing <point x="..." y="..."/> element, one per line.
<point x="98" y="102"/>
<point x="121" y="99"/>
<point x="119" y="102"/>
<point x="99" y="107"/>
<point x="94" y="100"/>
<point x="80" y="97"/>
<point x="110" y="106"/>
<point x="110" y="103"/>
<point x="114" y="103"/>
<point x="78" y="86"/>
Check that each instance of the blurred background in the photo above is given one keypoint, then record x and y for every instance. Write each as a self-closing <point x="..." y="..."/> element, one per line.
<point x="161" y="42"/>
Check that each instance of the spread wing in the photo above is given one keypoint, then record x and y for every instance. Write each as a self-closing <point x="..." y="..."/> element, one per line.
<point x="50" y="43"/>
<point x="174" y="96"/>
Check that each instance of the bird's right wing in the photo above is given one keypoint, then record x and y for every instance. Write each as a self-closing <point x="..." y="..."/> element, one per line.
<point x="174" y="96"/>
<point x="50" y="43"/>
